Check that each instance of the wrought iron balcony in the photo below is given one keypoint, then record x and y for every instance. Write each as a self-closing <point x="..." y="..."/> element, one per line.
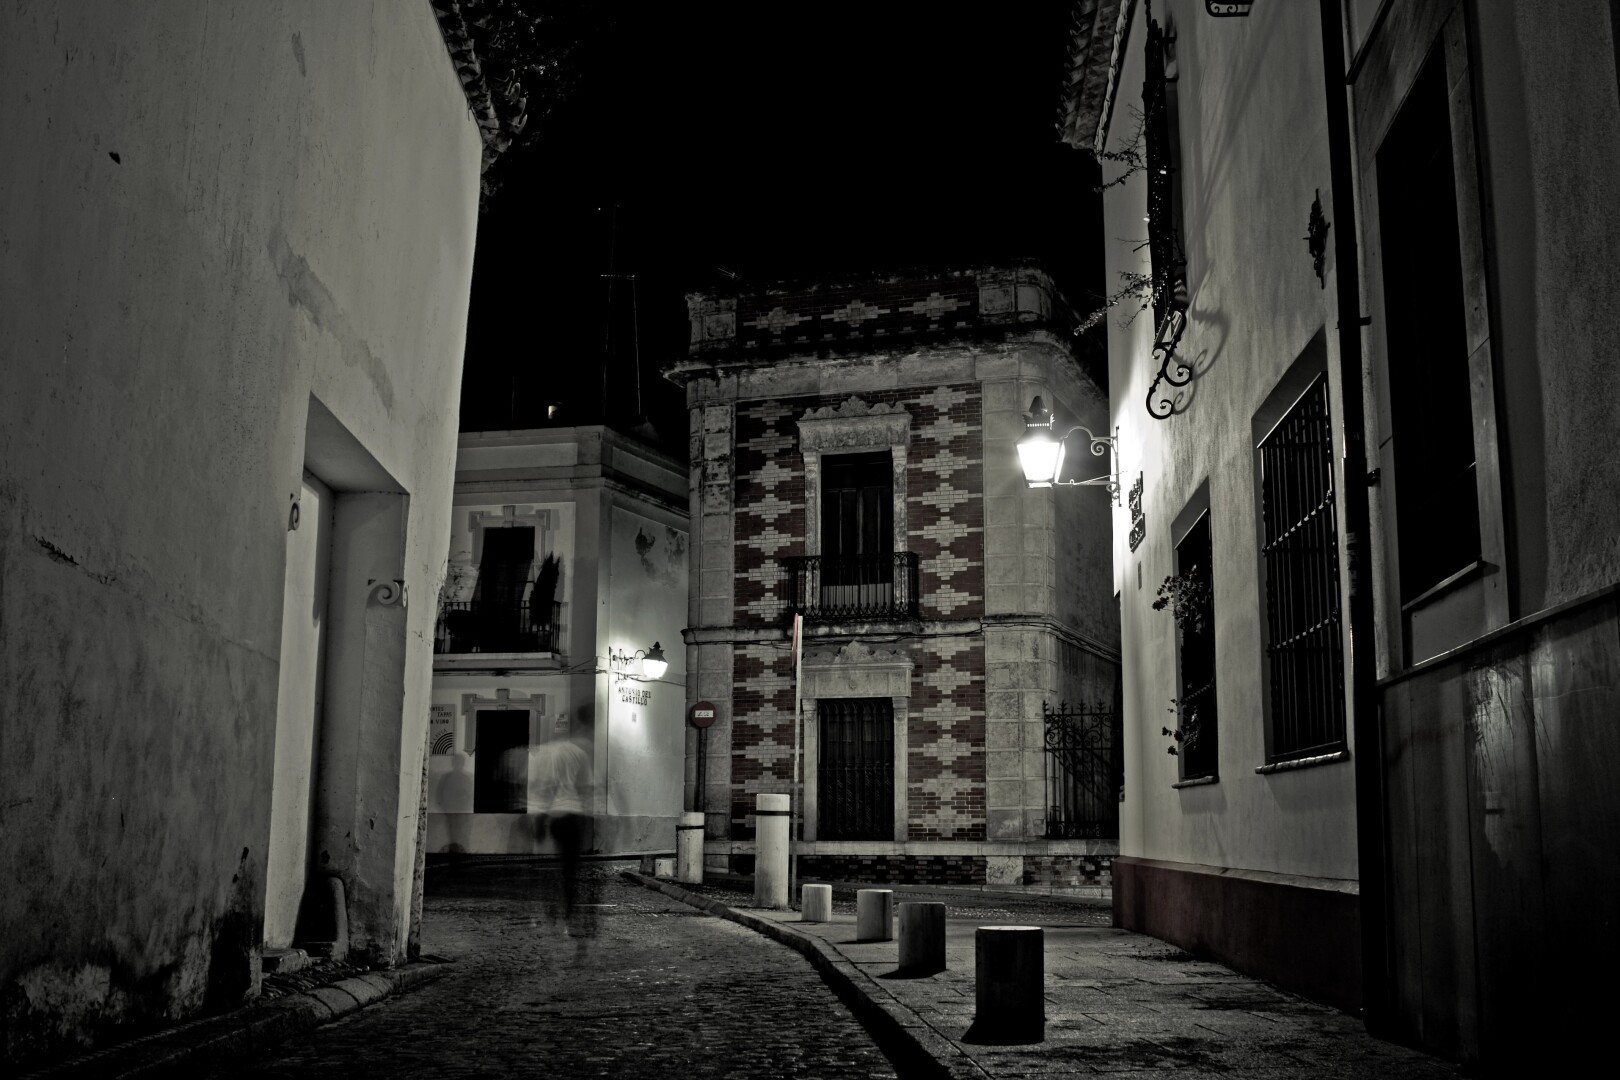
<point x="474" y="626"/>
<point x="853" y="586"/>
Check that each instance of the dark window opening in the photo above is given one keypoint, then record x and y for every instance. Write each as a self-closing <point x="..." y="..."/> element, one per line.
<point x="1437" y="501"/>
<point x="1161" y="131"/>
<point x="501" y="762"/>
<point x="1300" y="549"/>
<point x="857" y="531"/>
<point x="857" y="504"/>
<point x="855" y="769"/>
<point x="1195" y="708"/>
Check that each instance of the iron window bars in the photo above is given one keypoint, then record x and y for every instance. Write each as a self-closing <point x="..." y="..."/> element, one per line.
<point x="1304" y="650"/>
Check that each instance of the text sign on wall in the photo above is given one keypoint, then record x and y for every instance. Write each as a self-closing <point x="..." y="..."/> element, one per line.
<point x="633" y="696"/>
<point x="441" y="728"/>
<point x="702" y="714"/>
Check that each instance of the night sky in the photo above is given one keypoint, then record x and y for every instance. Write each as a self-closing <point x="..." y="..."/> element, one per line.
<point x="769" y="143"/>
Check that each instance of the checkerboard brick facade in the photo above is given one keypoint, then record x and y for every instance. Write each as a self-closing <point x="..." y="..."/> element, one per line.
<point x="923" y="364"/>
<point x="945" y="527"/>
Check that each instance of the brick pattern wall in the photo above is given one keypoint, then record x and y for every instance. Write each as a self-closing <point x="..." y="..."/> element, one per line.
<point x="945" y="499"/>
<point x="761" y="729"/>
<point x="945" y="527"/>
<point x="945" y="772"/>
<point x="875" y="311"/>
<point x="895" y="869"/>
<point x="769" y="504"/>
<point x="1068" y="871"/>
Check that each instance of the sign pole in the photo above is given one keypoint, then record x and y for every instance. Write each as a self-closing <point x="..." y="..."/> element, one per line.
<point x="798" y="725"/>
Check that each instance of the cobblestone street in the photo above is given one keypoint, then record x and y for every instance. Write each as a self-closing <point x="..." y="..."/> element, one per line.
<point x="660" y="990"/>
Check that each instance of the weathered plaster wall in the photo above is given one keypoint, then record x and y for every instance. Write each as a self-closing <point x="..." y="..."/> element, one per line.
<point x="209" y="215"/>
<point x="1549" y="114"/>
<point x="1253" y="136"/>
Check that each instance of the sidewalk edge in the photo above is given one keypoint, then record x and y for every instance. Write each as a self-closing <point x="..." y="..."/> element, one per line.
<point x="215" y="1041"/>
<point x="908" y="1038"/>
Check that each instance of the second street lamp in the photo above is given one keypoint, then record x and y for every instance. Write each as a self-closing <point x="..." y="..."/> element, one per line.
<point x="1041" y="453"/>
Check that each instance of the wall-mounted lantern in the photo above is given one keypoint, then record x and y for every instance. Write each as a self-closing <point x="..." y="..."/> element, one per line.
<point x="653" y="663"/>
<point x="1041" y="454"/>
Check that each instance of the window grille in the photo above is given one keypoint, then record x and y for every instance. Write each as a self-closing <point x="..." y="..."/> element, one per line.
<point x="1304" y="650"/>
<point x="855" y="769"/>
<point x="1195" y="709"/>
<point x="1085" y="771"/>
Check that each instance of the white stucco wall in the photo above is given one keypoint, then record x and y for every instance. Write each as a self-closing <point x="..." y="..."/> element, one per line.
<point x="209" y="214"/>
<point x="1254" y="154"/>
<point x="613" y="519"/>
<point x="640" y="748"/>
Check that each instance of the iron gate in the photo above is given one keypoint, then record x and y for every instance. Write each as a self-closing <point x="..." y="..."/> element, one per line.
<point x="855" y="769"/>
<point x="1085" y="772"/>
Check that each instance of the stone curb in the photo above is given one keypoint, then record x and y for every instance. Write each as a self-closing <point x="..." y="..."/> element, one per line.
<point x="915" y="1044"/>
<point x="214" y="1042"/>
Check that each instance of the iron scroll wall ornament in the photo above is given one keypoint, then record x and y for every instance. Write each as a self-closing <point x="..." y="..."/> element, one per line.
<point x="1316" y="232"/>
<point x="1228" y="9"/>
<point x="1173" y="371"/>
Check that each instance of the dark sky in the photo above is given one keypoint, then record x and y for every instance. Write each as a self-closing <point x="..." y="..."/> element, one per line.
<point x="771" y="142"/>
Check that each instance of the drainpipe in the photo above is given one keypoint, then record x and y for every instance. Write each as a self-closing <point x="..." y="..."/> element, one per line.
<point x="1369" y="761"/>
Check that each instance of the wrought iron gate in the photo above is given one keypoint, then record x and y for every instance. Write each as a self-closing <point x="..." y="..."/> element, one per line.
<point x="855" y="769"/>
<point x="1085" y="772"/>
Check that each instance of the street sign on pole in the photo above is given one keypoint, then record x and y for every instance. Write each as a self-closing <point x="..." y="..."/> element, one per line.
<point x="795" y="821"/>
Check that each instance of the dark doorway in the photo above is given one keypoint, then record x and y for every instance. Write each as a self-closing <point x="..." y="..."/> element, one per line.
<point x="501" y="762"/>
<point x="855" y="773"/>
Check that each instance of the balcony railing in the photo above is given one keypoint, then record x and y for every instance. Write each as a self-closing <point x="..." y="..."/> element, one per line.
<point x="473" y="626"/>
<point x="853" y="586"/>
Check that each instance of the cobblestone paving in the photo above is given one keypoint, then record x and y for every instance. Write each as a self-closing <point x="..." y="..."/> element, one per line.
<point x="660" y="990"/>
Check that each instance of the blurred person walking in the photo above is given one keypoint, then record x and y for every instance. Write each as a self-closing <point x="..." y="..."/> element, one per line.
<point x="563" y="789"/>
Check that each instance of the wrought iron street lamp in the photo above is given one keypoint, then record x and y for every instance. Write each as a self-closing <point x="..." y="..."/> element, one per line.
<point x="1041" y="453"/>
<point x="653" y="662"/>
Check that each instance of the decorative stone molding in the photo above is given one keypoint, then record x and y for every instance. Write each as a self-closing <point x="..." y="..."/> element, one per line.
<point x="856" y="670"/>
<point x="851" y="427"/>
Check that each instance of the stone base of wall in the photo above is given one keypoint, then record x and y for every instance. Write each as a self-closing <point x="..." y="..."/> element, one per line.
<point x="1068" y="871"/>
<point x="895" y="869"/>
<point x="1302" y="934"/>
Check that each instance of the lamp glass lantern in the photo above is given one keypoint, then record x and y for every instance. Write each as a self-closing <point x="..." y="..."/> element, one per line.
<point x="1041" y="453"/>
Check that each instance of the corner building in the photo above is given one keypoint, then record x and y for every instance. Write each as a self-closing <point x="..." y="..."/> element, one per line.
<point x="853" y="460"/>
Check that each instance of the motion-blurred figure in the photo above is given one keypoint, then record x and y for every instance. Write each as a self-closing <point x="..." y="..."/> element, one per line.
<point x="562" y="777"/>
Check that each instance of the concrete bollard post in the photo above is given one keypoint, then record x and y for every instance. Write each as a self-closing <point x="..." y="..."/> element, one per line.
<point x="922" y="938"/>
<point x="689" y="848"/>
<point x="816" y="903"/>
<point x="1009" y="976"/>
<point x="874" y="915"/>
<point x="771" y="851"/>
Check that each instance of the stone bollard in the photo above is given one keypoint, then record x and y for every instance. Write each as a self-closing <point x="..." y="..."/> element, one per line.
<point x="771" y="851"/>
<point x="922" y="938"/>
<point x="874" y="915"/>
<point x="663" y="867"/>
<point x="689" y="848"/>
<point x="1009" y="976"/>
<point x="816" y="905"/>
